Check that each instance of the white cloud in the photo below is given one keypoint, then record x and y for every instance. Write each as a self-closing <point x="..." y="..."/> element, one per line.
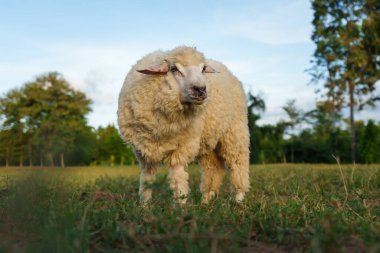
<point x="99" y="71"/>
<point x="267" y="77"/>
<point x="368" y="114"/>
<point x="284" y="23"/>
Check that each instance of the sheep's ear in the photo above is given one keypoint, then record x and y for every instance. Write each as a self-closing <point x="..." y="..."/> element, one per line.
<point x="208" y="69"/>
<point x="159" y="69"/>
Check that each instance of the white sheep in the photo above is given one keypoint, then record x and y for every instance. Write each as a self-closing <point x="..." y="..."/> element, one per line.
<point x="175" y="107"/>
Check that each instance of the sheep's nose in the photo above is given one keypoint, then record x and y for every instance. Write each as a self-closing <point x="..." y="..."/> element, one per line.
<point x="199" y="91"/>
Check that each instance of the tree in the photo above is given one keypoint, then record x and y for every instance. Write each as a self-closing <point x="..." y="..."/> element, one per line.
<point x="296" y="117"/>
<point x="7" y="146"/>
<point x="324" y="125"/>
<point x="256" y="106"/>
<point x="370" y="143"/>
<point x="347" y="54"/>
<point x="54" y="112"/>
<point x="111" y="148"/>
<point x="272" y="143"/>
<point x="45" y="113"/>
<point x="13" y="125"/>
<point x="84" y="150"/>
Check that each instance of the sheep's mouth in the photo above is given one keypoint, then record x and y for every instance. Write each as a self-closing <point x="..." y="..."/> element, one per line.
<point x="198" y="100"/>
<point x="198" y="96"/>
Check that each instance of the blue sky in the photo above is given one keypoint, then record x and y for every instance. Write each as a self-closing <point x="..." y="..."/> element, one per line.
<point x="93" y="44"/>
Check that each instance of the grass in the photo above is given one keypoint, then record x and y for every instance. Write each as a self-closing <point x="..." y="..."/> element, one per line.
<point x="290" y="208"/>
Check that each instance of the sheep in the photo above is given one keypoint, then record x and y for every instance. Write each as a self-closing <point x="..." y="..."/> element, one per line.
<point x="177" y="106"/>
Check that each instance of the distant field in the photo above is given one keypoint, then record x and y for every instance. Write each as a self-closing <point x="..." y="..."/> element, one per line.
<point x="290" y="208"/>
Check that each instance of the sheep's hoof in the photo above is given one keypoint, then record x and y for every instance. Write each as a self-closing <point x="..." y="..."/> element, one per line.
<point x="208" y="196"/>
<point x="239" y="197"/>
<point x="145" y="202"/>
<point x="181" y="201"/>
<point x="145" y="197"/>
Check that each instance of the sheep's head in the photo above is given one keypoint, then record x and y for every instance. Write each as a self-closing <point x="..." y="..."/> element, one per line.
<point x="185" y="68"/>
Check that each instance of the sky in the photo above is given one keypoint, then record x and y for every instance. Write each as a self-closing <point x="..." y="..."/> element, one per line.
<point x="266" y="44"/>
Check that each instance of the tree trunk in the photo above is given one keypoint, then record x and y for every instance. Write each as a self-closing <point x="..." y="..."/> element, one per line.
<point x="112" y="160"/>
<point x="21" y="162"/>
<point x="41" y="161"/>
<point x="352" y="122"/>
<point x="7" y="158"/>
<point x="292" y="153"/>
<point x="30" y="154"/>
<point x="62" y="160"/>
<point x="50" y="159"/>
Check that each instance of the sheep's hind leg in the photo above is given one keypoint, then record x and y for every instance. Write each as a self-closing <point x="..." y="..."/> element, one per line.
<point x="147" y="177"/>
<point x="179" y="183"/>
<point x="239" y="177"/>
<point x="235" y="152"/>
<point x="212" y="176"/>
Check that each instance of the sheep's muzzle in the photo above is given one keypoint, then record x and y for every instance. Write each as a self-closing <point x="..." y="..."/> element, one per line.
<point x="198" y="94"/>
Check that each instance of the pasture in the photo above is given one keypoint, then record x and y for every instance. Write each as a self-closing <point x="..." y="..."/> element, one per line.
<point x="290" y="208"/>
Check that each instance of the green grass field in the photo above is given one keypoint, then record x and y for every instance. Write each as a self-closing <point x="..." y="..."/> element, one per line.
<point x="290" y="208"/>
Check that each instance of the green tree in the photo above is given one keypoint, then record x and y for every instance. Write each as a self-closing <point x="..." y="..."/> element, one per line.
<point x="272" y="143"/>
<point x="347" y="54"/>
<point x="13" y="125"/>
<point x="111" y="148"/>
<point x="325" y="125"/>
<point x="54" y="112"/>
<point x="85" y="149"/>
<point x="7" y="144"/>
<point x="369" y="143"/>
<point x="45" y="114"/>
<point x="293" y="124"/>
<point x="256" y="106"/>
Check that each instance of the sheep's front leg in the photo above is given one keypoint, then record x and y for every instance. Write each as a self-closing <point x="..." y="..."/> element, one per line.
<point x="179" y="183"/>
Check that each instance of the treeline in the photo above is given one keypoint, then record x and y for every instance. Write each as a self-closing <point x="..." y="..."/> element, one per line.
<point x="316" y="136"/>
<point x="44" y="124"/>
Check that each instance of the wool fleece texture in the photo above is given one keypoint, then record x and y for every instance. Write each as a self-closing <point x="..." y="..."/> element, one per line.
<point x="176" y="107"/>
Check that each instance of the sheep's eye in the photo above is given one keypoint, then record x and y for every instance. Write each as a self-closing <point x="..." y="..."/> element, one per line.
<point x="173" y="68"/>
<point x="204" y="68"/>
